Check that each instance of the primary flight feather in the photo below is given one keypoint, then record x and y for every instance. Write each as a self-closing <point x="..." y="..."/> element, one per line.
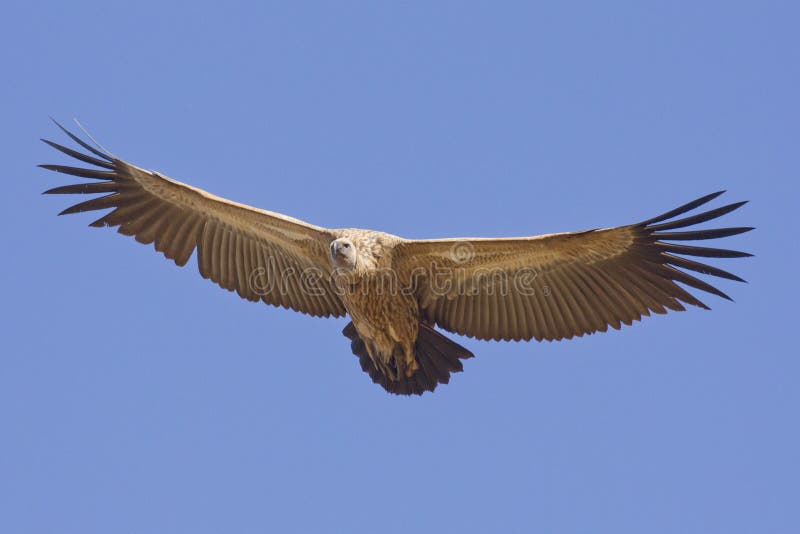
<point x="395" y="290"/>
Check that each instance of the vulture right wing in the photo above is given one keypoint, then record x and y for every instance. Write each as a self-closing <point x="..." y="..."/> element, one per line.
<point x="260" y="254"/>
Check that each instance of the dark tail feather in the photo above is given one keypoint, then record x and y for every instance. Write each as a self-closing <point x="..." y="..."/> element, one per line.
<point x="437" y="355"/>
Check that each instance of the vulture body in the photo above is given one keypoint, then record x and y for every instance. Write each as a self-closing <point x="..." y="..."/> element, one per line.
<point x="397" y="291"/>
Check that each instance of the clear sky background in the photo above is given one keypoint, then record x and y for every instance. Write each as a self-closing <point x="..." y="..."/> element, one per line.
<point x="137" y="397"/>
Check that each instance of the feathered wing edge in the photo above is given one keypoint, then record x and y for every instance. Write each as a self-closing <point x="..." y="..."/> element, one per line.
<point x="584" y="282"/>
<point x="658" y="233"/>
<point x="254" y="267"/>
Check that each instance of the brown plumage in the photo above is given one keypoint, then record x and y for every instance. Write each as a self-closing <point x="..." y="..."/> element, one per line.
<point x="397" y="291"/>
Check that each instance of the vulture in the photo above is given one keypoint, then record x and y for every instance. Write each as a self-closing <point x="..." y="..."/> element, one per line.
<point x="401" y="293"/>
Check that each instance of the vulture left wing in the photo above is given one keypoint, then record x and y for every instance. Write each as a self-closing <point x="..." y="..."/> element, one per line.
<point x="563" y="285"/>
<point x="260" y="254"/>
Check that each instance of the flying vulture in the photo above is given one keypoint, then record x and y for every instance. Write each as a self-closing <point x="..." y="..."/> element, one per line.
<point x="398" y="291"/>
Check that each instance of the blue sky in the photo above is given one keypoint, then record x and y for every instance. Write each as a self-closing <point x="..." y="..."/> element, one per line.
<point x="137" y="397"/>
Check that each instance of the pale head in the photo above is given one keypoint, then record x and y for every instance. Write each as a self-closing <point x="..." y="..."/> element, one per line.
<point x="344" y="254"/>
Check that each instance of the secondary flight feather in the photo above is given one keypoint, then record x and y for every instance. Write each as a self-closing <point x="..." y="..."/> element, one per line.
<point x="397" y="291"/>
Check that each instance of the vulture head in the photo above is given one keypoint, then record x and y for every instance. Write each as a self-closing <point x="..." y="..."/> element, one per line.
<point x="343" y="254"/>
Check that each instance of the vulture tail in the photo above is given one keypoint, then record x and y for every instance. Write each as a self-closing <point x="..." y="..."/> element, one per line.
<point x="437" y="356"/>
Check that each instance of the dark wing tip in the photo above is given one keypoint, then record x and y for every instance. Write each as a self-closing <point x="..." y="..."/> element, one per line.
<point x="79" y="155"/>
<point x="682" y="209"/>
<point x="80" y="171"/>
<point x="104" y="179"/>
<point x="108" y="157"/>
<point x="696" y="219"/>
<point x="662" y="235"/>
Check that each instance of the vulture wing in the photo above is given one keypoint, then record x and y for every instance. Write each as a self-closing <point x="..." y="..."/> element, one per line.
<point x="563" y="285"/>
<point x="260" y="254"/>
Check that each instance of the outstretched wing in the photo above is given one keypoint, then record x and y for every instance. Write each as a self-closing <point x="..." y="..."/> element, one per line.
<point x="259" y="254"/>
<point x="563" y="285"/>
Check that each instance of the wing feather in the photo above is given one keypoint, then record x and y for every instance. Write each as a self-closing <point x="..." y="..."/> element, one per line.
<point x="577" y="283"/>
<point x="236" y="245"/>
